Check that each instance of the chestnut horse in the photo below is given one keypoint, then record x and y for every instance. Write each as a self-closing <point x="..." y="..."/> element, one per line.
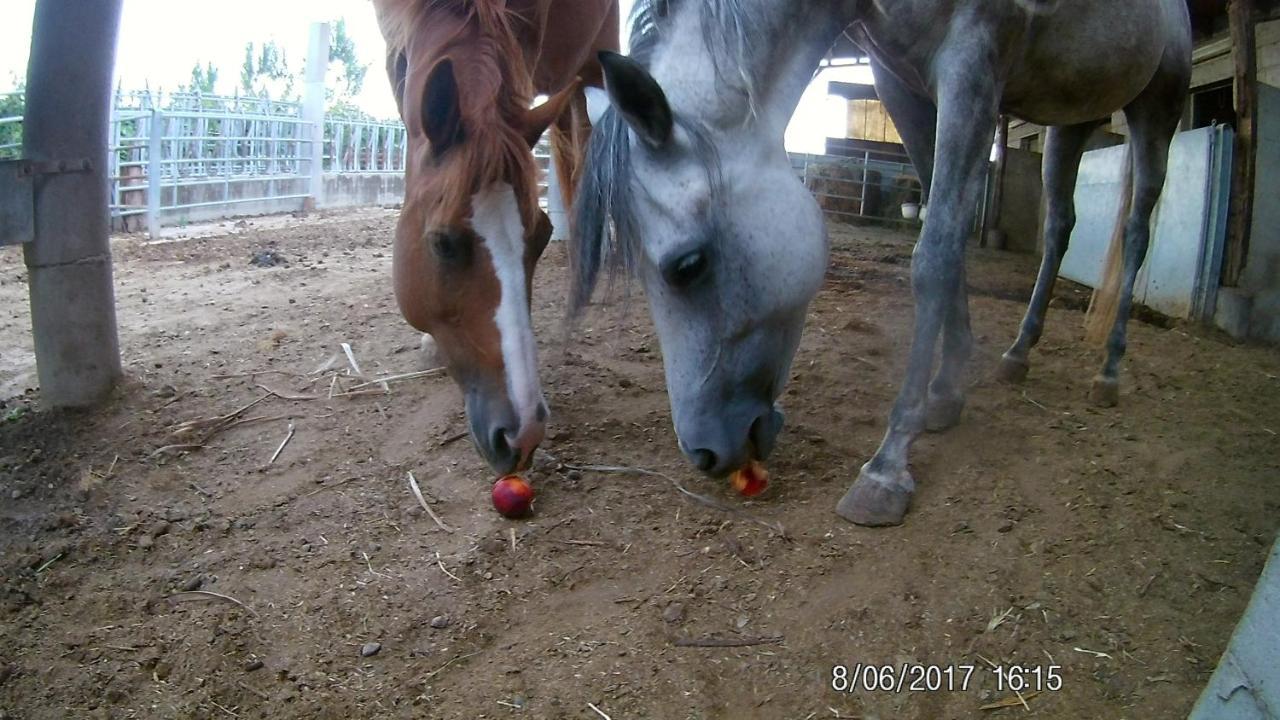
<point x="464" y="74"/>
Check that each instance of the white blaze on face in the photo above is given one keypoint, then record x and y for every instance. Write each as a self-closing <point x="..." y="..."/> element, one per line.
<point x="496" y="219"/>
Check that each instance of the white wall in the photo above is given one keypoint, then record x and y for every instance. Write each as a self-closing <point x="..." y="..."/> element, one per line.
<point x="1186" y="230"/>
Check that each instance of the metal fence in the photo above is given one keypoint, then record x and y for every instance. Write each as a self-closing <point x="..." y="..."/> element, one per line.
<point x="353" y="144"/>
<point x="239" y="155"/>
<point x="864" y="185"/>
<point x="229" y="155"/>
<point x="203" y="151"/>
<point x="10" y="125"/>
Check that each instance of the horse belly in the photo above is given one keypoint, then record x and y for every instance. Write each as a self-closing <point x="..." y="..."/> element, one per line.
<point x="1086" y="60"/>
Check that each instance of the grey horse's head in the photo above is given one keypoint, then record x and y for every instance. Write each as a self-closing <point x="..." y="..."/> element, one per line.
<point x="728" y="245"/>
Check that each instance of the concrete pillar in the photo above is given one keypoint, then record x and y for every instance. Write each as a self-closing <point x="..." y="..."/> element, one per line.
<point x="313" y="98"/>
<point x="73" y="313"/>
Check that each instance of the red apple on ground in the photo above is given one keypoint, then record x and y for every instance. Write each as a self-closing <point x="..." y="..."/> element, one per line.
<point x="512" y="496"/>
<point x="750" y="480"/>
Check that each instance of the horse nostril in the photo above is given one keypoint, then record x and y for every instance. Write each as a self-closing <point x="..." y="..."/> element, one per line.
<point x="704" y="460"/>
<point x="499" y="445"/>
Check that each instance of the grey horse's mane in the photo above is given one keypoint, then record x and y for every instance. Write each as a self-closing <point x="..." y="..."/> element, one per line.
<point x="605" y="225"/>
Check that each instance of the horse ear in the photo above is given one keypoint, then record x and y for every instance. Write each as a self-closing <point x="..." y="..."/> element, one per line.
<point x="441" y="113"/>
<point x="397" y="69"/>
<point x="537" y="120"/>
<point x="638" y="97"/>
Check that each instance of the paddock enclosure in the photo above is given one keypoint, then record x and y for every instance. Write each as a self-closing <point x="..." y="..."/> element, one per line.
<point x="1119" y="544"/>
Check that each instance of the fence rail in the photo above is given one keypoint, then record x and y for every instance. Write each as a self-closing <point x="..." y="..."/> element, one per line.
<point x="234" y="154"/>
<point x="221" y="156"/>
<point x="865" y="185"/>
<point x="365" y="146"/>
<point x="202" y="152"/>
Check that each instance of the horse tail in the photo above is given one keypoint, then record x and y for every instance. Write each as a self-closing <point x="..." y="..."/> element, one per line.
<point x="1101" y="315"/>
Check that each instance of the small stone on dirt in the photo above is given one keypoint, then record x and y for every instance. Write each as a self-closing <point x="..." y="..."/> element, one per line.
<point x="253" y="665"/>
<point x="193" y="583"/>
<point x="440" y="621"/>
<point x="267" y="258"/>
<point x="1005" y="526"/>
<point x="674" y="612"/>
<point x="370" y="649"/>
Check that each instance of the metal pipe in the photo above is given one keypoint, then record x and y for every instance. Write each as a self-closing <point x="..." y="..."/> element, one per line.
<point x="154" y="181"/>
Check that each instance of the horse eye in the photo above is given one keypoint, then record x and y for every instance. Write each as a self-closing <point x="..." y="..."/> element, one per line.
<point x="451" y="247"/>
<point x="686" y="269"/>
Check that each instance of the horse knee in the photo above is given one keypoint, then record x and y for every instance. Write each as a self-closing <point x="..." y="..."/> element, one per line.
<point x="935" y="269"/>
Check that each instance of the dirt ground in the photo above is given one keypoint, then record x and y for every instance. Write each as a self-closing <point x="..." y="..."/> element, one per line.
<point x="1119" y="545"/>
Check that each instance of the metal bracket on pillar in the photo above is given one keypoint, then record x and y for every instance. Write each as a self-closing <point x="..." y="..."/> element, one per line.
<point x="18" y="194"/>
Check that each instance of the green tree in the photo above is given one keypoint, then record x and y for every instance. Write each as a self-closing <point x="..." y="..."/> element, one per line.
<point x="342" y="50"/>
<point x="204" y="79"/>
<point x="12" y="105"/>
<point x="246" y="69"/>
<point x="265" y="72"/>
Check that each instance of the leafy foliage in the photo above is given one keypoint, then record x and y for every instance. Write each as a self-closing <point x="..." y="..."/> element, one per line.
<point x="265" y="72"/>
<point x="203" y="79"/>
<point x="12" y="105"/>
<point x="342" y="50"/>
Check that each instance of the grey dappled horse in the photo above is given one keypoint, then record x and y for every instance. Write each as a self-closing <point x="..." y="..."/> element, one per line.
<point x="689" y="169"/>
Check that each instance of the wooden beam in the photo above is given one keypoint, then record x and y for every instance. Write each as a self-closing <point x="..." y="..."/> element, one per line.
<point x="1244" y="52"/>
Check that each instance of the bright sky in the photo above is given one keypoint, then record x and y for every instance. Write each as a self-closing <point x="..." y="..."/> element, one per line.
<point x="160" y="41"/>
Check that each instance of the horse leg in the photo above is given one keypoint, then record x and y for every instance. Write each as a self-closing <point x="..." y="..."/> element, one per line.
<point x="967" y="101"/>
<point x="1063" y="148"/>
<point x="945" y="400"/>
<point x="916" y="119"/>
<point x="1153" y="118"/>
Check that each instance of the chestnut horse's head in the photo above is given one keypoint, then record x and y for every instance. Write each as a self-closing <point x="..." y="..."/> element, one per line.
<point x="471" y="231"/>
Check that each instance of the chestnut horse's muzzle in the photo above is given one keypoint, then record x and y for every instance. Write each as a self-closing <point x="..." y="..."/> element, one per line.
<point x="504" y="439"/>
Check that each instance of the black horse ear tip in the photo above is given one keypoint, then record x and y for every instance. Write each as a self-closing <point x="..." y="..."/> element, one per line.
<point x="607" y="57"/>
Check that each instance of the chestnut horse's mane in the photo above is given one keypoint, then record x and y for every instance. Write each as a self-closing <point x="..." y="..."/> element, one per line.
<point x="495" y="88"/>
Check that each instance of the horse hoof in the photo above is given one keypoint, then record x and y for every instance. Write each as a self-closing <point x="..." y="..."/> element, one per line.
<point x="942" y="412"/>
<point x="1012" y="370"/>
<point x="1105" y="392"/>
<point x="873" y="502"/>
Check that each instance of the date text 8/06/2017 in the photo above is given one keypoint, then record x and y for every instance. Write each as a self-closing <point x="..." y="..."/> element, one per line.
<point x="914" y="677"/>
